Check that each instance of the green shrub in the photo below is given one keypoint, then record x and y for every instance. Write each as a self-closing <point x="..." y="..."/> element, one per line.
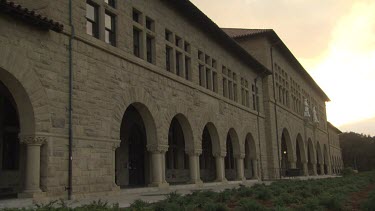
<point x="249" y="204"/>
<point x="244" y="192"/>
<point x="287" y="199"/>
<point x="173" y="196"/>
<point x="369" y="204"/>
<point x="331" y="202"/>
<point x="215" y="207"/>
<point x="223" y="197"/>
<point x="139" y="205"/>
<point x="278" y="208"/>
<point x="263" y="194"/>
<point x="347" y="171"/>
<point x="312" y="205"/>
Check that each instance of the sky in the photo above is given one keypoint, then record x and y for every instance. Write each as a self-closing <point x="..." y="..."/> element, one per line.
<point x="333" y="39"/>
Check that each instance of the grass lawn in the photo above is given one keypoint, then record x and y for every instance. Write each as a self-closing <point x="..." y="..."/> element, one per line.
<point x="352" y="192"/>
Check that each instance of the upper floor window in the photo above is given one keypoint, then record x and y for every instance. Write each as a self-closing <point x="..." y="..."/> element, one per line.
<point x="110" y="2"/>
<point x="103" y="30"/>
<point x="143" y="26"/>
<point x="255" y="92"/>
<point x="110" y="29"/>
<point x="282" y="85"/>
<point x="229" y="84"/>
<point x="207" y="72"/>
<point x="92" y="25"/>
<point x="177" y="55"/>
<point x="245" y="92"/>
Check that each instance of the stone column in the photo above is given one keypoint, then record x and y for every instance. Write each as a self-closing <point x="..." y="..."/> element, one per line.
<point x="158" y="166"/>
<point x="32" y="179"/>
<point x="293" y="164"/>
<point x="114" y="148"/>
<point x="322" y="169"/>
<point x="315" y="171"/>
<point x="194" y="167"/>
<point x="329" y="169"/>
<point x="220" y="168"/>
<point x="240" y="167"/>
<point x="255" y="169"/>
<point x="305" y="169"/>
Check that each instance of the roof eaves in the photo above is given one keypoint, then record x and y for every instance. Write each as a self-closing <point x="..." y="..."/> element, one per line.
<point x="29" y="16"/>
<point x="208" y="26"/>
<point x="335" y="128"/>
<point x="278" y="42"/>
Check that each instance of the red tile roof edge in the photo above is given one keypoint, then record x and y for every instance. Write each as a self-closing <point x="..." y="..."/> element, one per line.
<point x="29" y="16"/>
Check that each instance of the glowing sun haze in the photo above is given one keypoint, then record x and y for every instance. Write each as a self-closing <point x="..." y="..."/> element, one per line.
<point x="333" y="39"/>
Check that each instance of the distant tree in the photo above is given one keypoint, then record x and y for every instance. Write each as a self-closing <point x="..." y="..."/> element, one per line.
<point x="358" y="151"/>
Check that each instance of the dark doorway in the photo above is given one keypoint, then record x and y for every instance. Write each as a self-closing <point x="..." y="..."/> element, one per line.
<point x="318" y="161"/>
<point x="207" y="160"/>
<point x="137" y="149"/>
<point x="177" y="161"/>
<point x="9" y="145"/>
<point x="310" y="154"/>
<point x="230" y="169"/>
<point x="248" y="162"/>
<point x="284" y="156"/>
<point x="132" y="159"/>
<point x="299" y="159"/>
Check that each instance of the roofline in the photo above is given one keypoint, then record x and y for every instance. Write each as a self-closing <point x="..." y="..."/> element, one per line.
<point x="209" y="27"/>
<point x="276" y="41"/>
<point x="29" y="16"/>
<point x="335" y="128"/>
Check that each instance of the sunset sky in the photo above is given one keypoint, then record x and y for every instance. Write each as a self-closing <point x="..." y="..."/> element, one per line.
<point x="333" y="39"/>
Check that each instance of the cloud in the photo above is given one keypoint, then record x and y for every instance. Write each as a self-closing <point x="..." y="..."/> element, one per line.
<point x="366" y="127"/>
<point x="305" y="26"/>
<point x="347" y="71"/>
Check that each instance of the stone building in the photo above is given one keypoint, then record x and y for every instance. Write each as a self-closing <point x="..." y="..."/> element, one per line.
<point x="101" y="95"/>
<point x="335" y="149"/>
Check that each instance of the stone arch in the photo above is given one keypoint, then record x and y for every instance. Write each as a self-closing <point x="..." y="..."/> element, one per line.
<point x="180" y="144"/>
<point x="300" y="152"/>
<point x="287" y="152"/>
<point x="319" y="158"/>
<point x="236" y="142"/>
<point x="190" y="145"/>
<point x="251" y="158"/>
<point x="149" y="123"/>
<point x="23" y="166"/>
<point x="138" y="135"/>
<point x="23" y="103"/>
<point x="149" y="110"/>
<point x="216" y="146"/>
<point x="210" y="149"/>
<point x="326" y="160"/>
<point x="233" y="151"/>
<point x="311" y="157"/>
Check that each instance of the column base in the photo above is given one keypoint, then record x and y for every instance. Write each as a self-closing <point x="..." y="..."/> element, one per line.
<point x="116" y="188"/>
<point x="31" y="194"/>
<point x="241" y="179"/>
<point x="196" y="182"/>
<point x="225" y="181"/>
<point x="162" y="185"/>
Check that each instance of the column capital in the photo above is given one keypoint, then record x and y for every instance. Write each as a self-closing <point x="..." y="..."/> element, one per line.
<point x="32" y="139"/>
<point x="239" y="156"/>
<point x="192" y="152"/>
<point x="115" y="145"/>
<point x="219" y="154"/>
<point x="157" y="148"/>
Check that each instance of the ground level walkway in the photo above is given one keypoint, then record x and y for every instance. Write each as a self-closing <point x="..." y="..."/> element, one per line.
<point x="127" y="196"/>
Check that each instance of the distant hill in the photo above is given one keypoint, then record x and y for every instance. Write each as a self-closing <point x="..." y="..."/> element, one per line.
<point x="365" y="126"/>
<point x="358" y="151"/>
